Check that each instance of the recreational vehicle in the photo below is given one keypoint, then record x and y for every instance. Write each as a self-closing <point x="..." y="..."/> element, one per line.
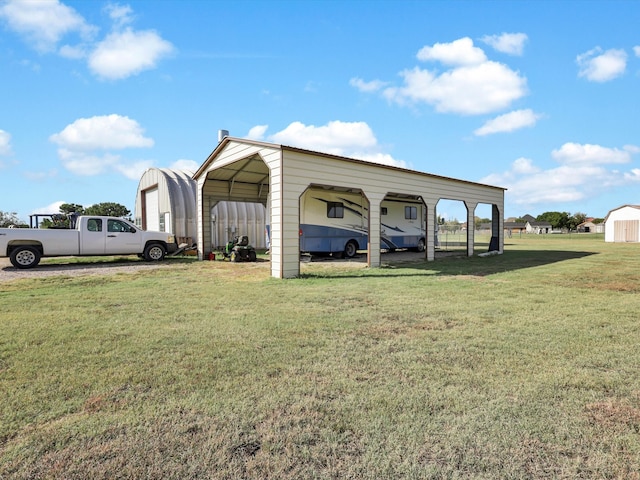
<point x="338" y="222"/>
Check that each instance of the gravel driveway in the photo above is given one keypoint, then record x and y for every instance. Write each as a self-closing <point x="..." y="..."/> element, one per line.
<point x="8" y="272"/>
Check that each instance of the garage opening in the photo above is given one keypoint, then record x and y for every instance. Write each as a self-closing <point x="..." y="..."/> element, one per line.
<point x="451" y="235"/>
<point x="334" y="223"/>
<point x="234" y="197"/>
<point x="403" y="223"/>
<point x="483" y="228"/>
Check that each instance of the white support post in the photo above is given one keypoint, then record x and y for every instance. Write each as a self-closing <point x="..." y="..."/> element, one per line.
<point x="373" y="248"/>
<point x="471" y="226"/>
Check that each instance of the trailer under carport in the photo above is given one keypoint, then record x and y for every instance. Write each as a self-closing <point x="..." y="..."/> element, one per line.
<point x="251" y="171"/>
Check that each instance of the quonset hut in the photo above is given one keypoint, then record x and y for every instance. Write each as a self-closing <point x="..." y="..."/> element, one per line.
<point x="166" y="201"/>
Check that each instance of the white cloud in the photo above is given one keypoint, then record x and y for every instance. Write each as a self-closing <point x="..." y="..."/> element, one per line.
<point x="598" y="66"/>
<point x="458" y="52"/>
<point x="126" y="53"/>
<point x="257" y="132"/>
<point x="122" y="53"/>
<point x="582" y="169"/>
<point x="73" y="52"/>
<point x="367" y="87"/>
<point x="190" y="166"/>
<point x="509" y="122"/>
<point x="509" y="43"/>
<point x="636" y="50"/>
<point x="134" y="170"/>
<point x="43" y="23"/>
<point x="336" y="137"/>
<point x="80" y="140"/>
<point x="120" y="14"/>
<point x="51" y="208"/>
<point x="468" y="90"/>
<point x="106" y="132"/>
<point x="86" y="163"/>
<point x="347" y="139"/>
<point x="5" y="143"/>
<point x="587" y="154"/>
<point x="471" y="85"/>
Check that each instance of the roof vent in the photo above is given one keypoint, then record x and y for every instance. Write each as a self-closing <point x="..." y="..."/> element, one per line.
<point x="222" y="134"/>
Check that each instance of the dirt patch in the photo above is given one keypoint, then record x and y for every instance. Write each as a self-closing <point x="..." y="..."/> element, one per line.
<point x="614" y="413"/>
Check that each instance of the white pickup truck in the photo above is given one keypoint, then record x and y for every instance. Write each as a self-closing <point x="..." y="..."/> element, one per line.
<point x="89" y="235"/>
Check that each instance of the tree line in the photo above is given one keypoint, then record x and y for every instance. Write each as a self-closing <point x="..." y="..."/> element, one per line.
<point x="563" y="220"/>
<point x="61" y="218"/>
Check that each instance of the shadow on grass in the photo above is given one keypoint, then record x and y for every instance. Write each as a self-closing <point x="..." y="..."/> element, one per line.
<point x="462" y="265"/>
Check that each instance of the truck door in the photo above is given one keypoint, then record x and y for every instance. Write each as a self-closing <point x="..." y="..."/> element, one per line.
<point x="92" y="237"/>
<point x="122" y="238"/>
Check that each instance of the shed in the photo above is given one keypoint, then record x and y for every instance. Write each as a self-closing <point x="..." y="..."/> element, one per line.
<point x="166" y="201"/>
<point x="252" y="171"/>
<point x="622" y="224"/>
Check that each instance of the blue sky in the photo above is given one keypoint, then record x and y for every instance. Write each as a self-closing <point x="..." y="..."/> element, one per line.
<point x="540" y="97"/>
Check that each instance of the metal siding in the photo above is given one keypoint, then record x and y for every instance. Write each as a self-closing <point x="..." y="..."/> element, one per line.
<point x="292" y="171"/>
<point x="615" y="227"/>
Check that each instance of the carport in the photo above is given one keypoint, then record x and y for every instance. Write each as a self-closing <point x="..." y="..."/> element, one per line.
<point x="251" y="171"/>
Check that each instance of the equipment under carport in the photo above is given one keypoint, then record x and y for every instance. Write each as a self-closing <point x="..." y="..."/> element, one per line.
<point x="239" y="250"/>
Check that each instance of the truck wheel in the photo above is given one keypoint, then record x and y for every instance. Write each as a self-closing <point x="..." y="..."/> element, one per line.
<point x="421" y="245"/>
<point x="154" y="252"/>
<point x="234" y="256"/>
<point x="350" y="249"/>
<point x="252" y="256"/>
<point x="25" y="257"/>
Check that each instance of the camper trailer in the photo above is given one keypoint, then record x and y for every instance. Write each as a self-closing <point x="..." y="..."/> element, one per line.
<point x="337" y="222"/>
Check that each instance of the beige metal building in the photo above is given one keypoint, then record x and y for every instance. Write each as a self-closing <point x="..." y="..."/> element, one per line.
<point x="251" y="171"/>
<point x="622" y="224"/>
<point x="166" y="202"/>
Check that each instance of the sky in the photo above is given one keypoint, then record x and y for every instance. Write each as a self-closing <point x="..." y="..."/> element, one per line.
<point x="539" y="97"/>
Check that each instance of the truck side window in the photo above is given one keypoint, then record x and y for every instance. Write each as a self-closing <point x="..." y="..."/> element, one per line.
<point x="94" y="225"/>
<point x="117" y="226"/>
<point x="410" y="213"/>
<point x="335" y="210"/>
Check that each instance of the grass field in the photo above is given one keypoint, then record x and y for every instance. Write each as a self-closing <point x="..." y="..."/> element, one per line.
<point x="519" y="366"/>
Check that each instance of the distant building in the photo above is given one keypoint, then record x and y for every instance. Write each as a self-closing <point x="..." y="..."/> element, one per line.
<point x="622" y="224"/>
<point x="589" y="227"/>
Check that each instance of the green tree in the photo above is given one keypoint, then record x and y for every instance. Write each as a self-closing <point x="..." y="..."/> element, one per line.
<point x="479" y="221"/>
<point x="576" y="219"/>
<point x="108" y="208"/>
<point x="10" y="219"/>
<point x="556" y="219"/>
<point x="67" y="208"/>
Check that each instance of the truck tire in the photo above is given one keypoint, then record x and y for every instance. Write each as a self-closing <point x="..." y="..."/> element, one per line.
<point x="25" y="257"/>
<point x="350" y="249"/>
<point x="421" y="245"/>
<point x="154" y="252"/>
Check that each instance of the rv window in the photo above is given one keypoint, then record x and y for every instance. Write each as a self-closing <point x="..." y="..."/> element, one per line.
<point x="335" y="210"/>
<point x="411" y="213"/>
<point x="383" y="210"/>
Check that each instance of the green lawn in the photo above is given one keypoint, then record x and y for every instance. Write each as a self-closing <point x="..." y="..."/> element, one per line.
<point x="519" y="366"/>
